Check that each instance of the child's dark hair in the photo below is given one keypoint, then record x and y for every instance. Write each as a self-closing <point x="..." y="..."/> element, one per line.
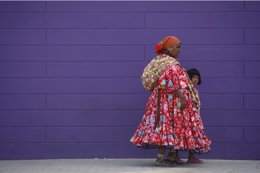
<point x="192" y="72"/>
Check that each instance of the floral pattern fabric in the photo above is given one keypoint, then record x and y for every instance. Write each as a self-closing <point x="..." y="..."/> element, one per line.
<point x="163" y="124"/>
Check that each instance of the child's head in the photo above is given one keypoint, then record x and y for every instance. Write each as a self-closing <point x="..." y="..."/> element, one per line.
<point x="194" y="75"/>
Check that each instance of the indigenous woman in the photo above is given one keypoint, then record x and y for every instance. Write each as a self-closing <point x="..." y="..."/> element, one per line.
<point x="169" y="119"/>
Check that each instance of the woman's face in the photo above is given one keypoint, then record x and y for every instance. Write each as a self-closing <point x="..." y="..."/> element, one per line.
<point x="174" y="51"/>
<point x="195" y="79"/>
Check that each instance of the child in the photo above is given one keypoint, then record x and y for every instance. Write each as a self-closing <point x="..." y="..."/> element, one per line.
<point x="195" y="78"/>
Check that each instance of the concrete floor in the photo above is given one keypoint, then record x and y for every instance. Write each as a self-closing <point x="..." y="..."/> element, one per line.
<point x="125" y="166"/>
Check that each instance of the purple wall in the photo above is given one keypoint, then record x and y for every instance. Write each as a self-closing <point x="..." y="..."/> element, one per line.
<point x="69" y="75"/>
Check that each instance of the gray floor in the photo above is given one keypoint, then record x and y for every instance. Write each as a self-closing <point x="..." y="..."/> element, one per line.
<point x="124" y="166"/>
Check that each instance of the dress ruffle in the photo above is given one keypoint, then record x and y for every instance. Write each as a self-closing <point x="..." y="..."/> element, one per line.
<point x="181" y="130"/>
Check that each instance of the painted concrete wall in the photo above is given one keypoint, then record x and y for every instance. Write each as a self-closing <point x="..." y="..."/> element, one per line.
<point x="70" y="74"/>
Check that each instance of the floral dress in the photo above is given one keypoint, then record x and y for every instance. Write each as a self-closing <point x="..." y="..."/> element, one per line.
<point x="163" y="124"/>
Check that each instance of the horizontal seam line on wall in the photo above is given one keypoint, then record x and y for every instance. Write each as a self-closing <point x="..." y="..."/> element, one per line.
<point x="133" y="12"/>
<point x="110" y="126"/>
<point x="75" y="109"/>
<point x="134" y="28"/>
<point x="109" y="93"/>
<point x="77" y="77"/>
<point x="74" y="142"/>
<point x="122" y="44"/>
<point x="126" y="61"/>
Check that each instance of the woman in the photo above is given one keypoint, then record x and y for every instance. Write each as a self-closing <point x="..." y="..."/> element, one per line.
<point x="167" y="117"/>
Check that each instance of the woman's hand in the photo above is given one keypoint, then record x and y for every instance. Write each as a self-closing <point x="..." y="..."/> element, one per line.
<point x="183" y="103"/>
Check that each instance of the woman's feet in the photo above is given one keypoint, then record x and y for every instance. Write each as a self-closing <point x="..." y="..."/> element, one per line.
<point x="173" y="157"/>
<point x="194" y="160"/>
<point x="176" y="160"/>
<point x="162" y="162"/>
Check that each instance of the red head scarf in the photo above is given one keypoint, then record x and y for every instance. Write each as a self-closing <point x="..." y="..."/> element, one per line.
<point x="167" y="42"/>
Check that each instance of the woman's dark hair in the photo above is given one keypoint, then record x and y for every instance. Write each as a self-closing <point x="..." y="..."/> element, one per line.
<point x="192" y="72"/>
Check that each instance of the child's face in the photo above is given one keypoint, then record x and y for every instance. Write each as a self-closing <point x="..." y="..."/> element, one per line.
<point x="195" y="79"/>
